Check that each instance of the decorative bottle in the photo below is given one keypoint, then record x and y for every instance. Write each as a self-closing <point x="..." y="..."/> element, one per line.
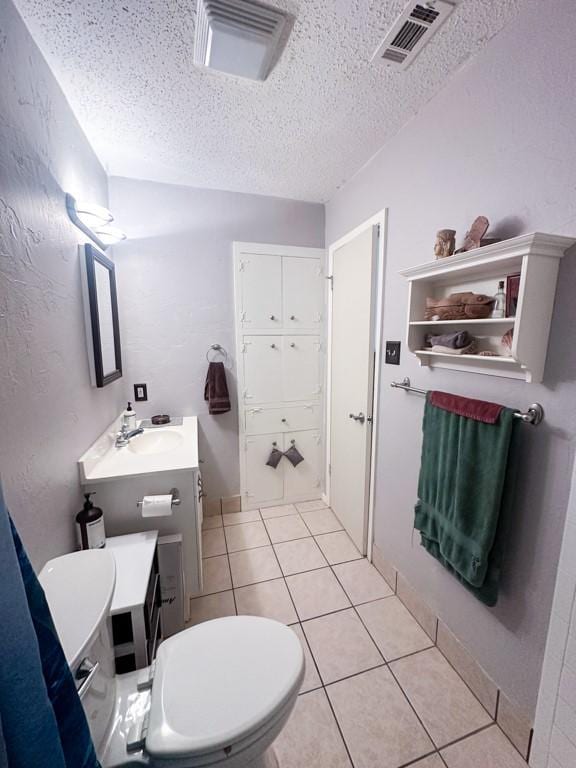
<point x="499" y="302"/>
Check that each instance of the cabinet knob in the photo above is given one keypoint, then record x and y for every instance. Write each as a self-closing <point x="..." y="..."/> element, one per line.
<point x="272" y="346"/>
<point x="292" y="317"/>
<point x="283" y="421"/>
<point x="272" y="317"/>
<point x="292" y="344"/>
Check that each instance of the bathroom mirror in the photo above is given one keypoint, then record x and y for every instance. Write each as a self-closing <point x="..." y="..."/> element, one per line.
<point x="101" y="310"/>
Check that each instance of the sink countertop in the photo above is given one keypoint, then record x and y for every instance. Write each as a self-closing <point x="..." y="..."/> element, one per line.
<point x="103" y="461"/>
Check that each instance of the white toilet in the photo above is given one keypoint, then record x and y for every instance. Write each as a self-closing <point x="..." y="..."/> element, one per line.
<point x="218" y="694"/>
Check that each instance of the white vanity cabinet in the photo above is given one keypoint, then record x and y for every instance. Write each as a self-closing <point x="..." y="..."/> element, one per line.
<point x="121" y="477"/>
<point x="279" y="307"/>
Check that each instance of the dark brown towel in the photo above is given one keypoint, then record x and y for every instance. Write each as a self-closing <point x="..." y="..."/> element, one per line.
<point x="216" y="389"/>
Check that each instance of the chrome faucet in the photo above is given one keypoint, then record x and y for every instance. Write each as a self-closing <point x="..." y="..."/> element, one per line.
<point x="125" y="435"/>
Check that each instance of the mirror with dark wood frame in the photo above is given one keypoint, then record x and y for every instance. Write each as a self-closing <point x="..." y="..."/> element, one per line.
<point x="102" y="316"/>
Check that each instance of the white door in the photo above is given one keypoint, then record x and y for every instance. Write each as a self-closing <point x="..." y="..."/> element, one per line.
<point x="263" y="482"/>
<point x="262" y="356"/>
<point x="303" y="286"/>
<point x="260" y="281"/>
<point x="301" y="367"/>
<point x="351" y="381"/>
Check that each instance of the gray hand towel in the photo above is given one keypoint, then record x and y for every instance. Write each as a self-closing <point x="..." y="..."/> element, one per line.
<point x="293" y="455"/>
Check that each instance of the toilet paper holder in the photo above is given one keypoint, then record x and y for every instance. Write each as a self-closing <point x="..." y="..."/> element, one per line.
<point x="174" y="492"/>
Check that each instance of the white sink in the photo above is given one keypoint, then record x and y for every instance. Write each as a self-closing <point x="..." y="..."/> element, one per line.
<point x="156" y="441"/>
<point x="163" y="449"/>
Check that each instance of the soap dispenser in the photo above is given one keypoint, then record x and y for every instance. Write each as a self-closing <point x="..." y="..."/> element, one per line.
<point x="90" y="526"/>
<point x="129" y="417"/>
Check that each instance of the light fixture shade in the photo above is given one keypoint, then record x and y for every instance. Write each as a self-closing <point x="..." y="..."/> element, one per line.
<point x="94" y="220"/>
<point x="109" y="235"/>
<point x="93" y="214"/>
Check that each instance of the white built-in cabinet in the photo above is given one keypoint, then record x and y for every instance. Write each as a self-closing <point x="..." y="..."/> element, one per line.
<point x="279" y="308"/>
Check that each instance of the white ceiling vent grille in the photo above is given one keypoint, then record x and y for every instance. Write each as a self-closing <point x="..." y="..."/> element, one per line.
<point x="412" y="31"/>
<point x="240" y="37"/>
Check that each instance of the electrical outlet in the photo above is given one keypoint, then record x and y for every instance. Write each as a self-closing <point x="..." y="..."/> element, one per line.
<point x="140" y="393"/>
<point x="393" y="352"/>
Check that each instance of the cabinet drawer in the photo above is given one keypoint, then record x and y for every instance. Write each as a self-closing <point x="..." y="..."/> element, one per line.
<point x="260" y="421"/>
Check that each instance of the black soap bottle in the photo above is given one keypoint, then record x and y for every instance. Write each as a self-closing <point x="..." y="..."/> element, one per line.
<point x="90" y="526"/>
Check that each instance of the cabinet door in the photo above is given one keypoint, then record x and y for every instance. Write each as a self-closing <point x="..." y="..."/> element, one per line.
<point x="262" y="356"/>
<point x="304" y="478"/>
<point x="260" y="281"/>
<point x="303" y="290"/>
<point x="301" y="367"/>
<point x="263" y="483"/>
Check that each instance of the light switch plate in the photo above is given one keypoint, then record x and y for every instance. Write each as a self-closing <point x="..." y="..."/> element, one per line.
<point x="140" y="393"/>
<point x="393" y="352"/>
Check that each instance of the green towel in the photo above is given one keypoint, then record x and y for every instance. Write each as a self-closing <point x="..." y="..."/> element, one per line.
<point x="463" y="492"/>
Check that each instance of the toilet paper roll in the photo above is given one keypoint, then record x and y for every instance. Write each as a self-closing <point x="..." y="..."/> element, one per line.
<point x="157" y="506"/>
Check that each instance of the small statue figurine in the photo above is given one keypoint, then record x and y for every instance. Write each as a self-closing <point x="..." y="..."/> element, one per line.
<point x="445" y="243"/>
<point x="474" y="235"/>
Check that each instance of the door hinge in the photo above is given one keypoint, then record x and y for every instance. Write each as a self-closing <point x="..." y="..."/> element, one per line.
<point x="331" y="278"/>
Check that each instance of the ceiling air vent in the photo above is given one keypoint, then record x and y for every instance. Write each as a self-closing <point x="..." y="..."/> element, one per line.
<point x="412" y="31"/>
<point x="240" y="37"/>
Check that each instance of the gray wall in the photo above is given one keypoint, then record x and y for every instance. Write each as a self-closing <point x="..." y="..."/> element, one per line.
<point x="175" y="282"/>
<point x="49" y="414"/>
<point x="500" y="141"/>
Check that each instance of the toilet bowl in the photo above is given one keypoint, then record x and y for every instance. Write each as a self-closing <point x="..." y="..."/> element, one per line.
<point x="218" y="693"/>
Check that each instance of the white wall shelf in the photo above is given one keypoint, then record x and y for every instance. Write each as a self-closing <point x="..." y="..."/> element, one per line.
<point x="536" y="258"/>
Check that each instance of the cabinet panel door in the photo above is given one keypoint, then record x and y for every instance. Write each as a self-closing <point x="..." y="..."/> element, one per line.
<point x="263" y="483"/>
<point x="303" y="290"/>
<point x="301" y="367"/>
<point x="260" y="279"/>
<point x="305" y="477"/>
<point x="262" y="357"/>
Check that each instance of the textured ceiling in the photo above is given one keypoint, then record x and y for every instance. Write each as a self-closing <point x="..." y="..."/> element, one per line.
<point x="126" y="69"/>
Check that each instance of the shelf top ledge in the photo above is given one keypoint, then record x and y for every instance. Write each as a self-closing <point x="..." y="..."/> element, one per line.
<point x="539" y="243"/>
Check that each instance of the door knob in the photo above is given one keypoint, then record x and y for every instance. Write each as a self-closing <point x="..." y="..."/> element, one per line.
<point x="358" y="417"/>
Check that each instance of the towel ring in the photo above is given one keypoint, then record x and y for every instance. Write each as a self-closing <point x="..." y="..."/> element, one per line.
<point x="217" y="349"/>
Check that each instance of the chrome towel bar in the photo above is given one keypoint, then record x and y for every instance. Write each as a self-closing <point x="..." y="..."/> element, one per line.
<point x="534" y="415"/>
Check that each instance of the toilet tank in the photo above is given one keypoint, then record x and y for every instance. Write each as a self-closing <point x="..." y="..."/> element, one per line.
<point x="79" y="588"/>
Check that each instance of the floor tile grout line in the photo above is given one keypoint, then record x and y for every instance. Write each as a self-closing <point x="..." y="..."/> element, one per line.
<point x="340" y="731"/>
<point x="230" y="571"/>
<point x="466" y="736"/>
<point x="284" y="577"/>
<point x="353" y="674"/>
<point x="491" y="716"/>
<point x="323" y="689"/>
<point x="395" y="678"/>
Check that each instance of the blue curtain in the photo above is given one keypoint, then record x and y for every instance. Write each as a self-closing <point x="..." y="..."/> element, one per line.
<point x="42" y="722"/>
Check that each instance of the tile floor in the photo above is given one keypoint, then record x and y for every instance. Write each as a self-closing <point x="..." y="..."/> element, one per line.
<point x="377" y="693"/>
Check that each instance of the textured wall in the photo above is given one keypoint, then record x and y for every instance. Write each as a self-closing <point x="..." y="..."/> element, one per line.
<point x="176" y="282"/>
<point x="49" y="414"/>
<point x="499" y="140"/>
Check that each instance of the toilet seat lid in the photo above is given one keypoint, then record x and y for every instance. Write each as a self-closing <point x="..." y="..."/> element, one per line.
<point x="220" y="681"/>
